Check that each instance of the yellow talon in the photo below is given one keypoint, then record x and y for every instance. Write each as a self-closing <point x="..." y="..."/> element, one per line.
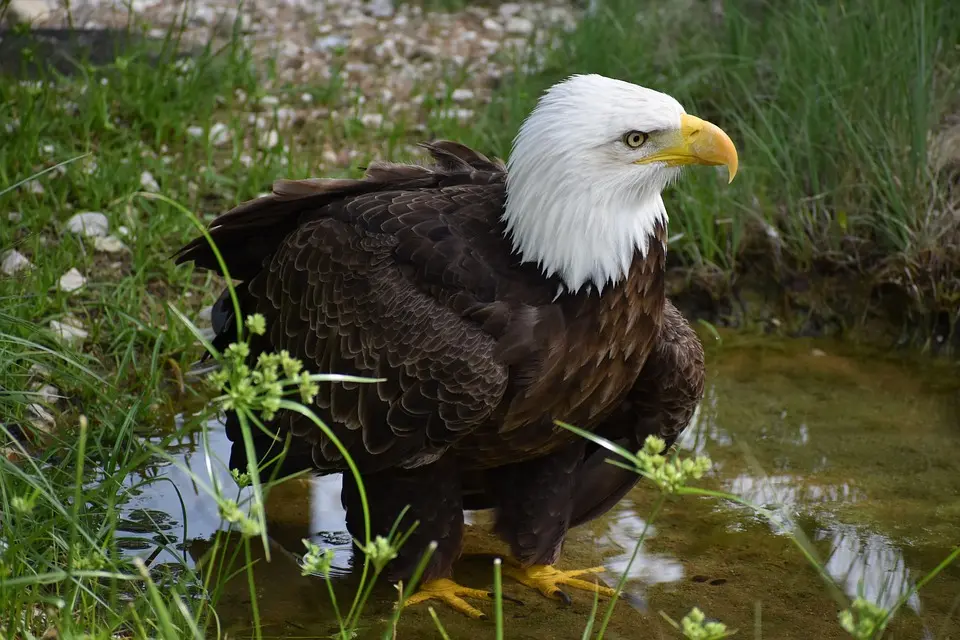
<point x="545" y="578"/>
<point x="452" y="594"/>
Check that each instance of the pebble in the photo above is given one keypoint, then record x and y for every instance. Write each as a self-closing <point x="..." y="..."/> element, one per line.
<point x="492" y="25"/>
<point x="15" y="217"/>
<point x="38" y="371"/>
<point x="71" y="280"/>
<point x="372" y="120"/>
<point x="219" y="134"/>
<point x="329" y="43"/>
<point x="68" y="331"/>
<point x="13" y="262"/>
<point x="40" y="418"/>
<point x="269" y="139"/>
<point x="519" y="25"/>
<point x="109" y="244"/>
<point x="49" y="394"/>
<point x="381" y="8"/>
<point x="148" y="182"/>
<point x="91" y="224"/>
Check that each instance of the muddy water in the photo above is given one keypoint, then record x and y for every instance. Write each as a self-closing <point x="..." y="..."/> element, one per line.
<point x="858" y="451"/>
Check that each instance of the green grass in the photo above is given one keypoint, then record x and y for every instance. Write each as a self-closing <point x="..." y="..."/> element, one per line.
<point x="833" y="107"/>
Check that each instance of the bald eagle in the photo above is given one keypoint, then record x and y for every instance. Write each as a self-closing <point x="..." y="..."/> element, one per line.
<point x="492" y="300"/>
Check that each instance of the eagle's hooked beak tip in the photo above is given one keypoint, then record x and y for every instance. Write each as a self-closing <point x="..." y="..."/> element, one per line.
<point x="697" y="142"/>
<point x="708" y="144"/>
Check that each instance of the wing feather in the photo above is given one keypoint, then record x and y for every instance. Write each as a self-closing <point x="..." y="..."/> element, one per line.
<point x="403" y="276"/>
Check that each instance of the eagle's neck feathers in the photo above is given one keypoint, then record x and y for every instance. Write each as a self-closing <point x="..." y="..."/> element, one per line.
<point x="579" y="229"/>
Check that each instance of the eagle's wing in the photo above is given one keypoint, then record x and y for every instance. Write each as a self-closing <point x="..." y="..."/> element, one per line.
<point x="382" y="278"/>
<point x="661" y="403"/>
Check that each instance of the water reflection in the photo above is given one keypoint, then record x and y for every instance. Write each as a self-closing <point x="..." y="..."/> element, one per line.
<point x="648" y="568"/>
<point x="805" y="461"/>
<point x="178" y="501"/>
<point x="176" y="508"/>
<point x="871" y="559"/>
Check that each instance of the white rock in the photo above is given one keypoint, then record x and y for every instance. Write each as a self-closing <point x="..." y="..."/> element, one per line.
<point x="269" y="139"/>
<point x="204" y="14"/>
<point x="49" y="393"/>
<point x="328" y="43"/>
<point x="286" y="116"/>
<point x="519" y="25"/>
<point x="38" y="371"/>
<point x="219" y="134"/>
<point x="462" y="95"/>
<point x="195" y="131"/>
<point x="148" y="182"/>
<point x="508" y="9"/>
<point x="91" y="224"/>
<point x="269" y="101"/>
<point x="40" y="418"/>
<point x="68" y="332"/>
<point x="123" y="230"/>
<point x="15" y="217"/>
<point x="109" y="244"/>
<point x="492" y="25"/>
<point x="71" y="280"/>
<point x="12" y="262"/>
<point x="30" y="10"/>
<point x="372" y="120"/>
<point x="456" y="114"/>
<point x="35" y="187"/>
<point x="380" y="8"/>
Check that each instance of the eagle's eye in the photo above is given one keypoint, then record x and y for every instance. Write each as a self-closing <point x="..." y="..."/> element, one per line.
<point x="635" y="139"/>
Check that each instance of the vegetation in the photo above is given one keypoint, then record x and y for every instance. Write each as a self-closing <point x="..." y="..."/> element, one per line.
<point x="838" y="176"/>
<point x="840" y="111"/>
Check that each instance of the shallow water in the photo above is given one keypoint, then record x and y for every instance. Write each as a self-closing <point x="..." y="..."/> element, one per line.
<point x="858" y="451"/>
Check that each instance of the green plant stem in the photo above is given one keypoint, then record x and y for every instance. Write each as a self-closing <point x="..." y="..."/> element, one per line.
<point x="661" y="499"/>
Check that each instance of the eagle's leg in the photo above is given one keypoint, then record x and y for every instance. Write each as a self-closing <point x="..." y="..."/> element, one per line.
<point x="433" y="495"/>
<point x="533" y="515"/>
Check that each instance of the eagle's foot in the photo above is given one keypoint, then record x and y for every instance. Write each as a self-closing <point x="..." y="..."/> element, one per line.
<point x="545" y="579"/>
<point x="452" y="594"/>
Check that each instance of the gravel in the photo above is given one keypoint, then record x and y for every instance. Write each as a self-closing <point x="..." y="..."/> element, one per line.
<point x="69" y="330"/>
<point x="71" y="281"/>
<point x="91" y="224"/>
<point x="13" y="262"/>
<point x="386" y="52"/>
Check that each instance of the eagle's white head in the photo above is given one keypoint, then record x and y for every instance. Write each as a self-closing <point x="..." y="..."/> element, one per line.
<point x="586" y="170"/>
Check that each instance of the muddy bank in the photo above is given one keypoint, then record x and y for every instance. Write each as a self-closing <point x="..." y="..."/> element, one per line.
<point x="860" y="308"/>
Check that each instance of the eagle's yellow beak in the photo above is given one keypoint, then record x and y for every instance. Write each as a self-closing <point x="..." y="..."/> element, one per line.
<point x="697" y="142"/>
